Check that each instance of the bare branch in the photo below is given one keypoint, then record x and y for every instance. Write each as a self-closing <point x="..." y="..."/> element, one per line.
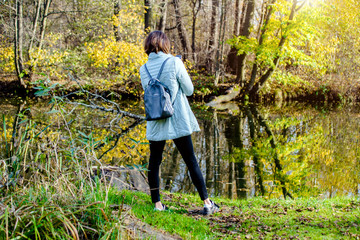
<point x="8" y="6"/>
<point x="61" y="12"/>
<point x="115" y="109"/>
<point x="117" y="138"/>
<point x="93" y="106"/>
<point x="302" y="4"/>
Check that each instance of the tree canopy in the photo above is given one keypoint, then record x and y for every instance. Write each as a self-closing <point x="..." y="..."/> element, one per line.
<point x="266" y="44"/>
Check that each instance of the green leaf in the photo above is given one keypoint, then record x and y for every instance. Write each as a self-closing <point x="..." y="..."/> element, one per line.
<point x="134" y="140"/>
<point x="23" y="121"/>
<point x="52" y="111"/>
<point x="84" y="135"/>
<point x="42" y="131"/>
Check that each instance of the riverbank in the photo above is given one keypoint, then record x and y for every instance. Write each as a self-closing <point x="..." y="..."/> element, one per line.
<point x="204" y="90"/>
<point x="102" y="211"/>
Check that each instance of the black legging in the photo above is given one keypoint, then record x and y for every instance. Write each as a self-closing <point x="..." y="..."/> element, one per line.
<point x="185" y="147"/>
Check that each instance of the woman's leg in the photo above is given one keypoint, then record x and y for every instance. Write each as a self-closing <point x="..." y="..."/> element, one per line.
<point x="185" y="146"/>
<point x="156" y="150"/>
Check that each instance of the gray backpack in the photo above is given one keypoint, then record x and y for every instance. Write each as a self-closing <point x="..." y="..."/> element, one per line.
<point x="157" y="98"/>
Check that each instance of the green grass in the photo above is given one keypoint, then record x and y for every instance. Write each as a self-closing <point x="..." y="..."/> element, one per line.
<point x="174" y="221"/>
<point x="254" y="218"/>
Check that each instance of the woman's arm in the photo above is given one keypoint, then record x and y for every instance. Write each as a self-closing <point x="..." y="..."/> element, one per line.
<point x="183" y="77"/>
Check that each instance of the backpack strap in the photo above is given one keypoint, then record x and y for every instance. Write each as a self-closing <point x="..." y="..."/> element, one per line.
<point x="160" y="71"/>
<point x="162" y="68"/>
<point x="147" y="70"/>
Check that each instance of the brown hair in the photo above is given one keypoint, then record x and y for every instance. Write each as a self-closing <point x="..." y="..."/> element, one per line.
<point x="157" y="41"/>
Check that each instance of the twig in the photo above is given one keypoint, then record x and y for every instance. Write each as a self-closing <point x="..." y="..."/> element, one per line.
<point x="118" y="136"/>
<point x="128" y="114"/>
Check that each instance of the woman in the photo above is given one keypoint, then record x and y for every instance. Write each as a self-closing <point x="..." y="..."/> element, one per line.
<point x="179" y="126"/>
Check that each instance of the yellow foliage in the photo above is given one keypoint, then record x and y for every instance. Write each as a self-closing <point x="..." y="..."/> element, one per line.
<point x="7" y="59"/>
<point x="123" y="57"/>
<point x="130" y="22"/>
<point x="49" y="57"/>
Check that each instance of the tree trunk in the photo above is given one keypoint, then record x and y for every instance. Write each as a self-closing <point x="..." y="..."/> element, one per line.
<point x="262" y="30"/>
<point x="232" y="58"/>
<point x="193" y="36"/>
<point x="212" y="38"/>
<point x="162" y="21"/>
<point x="195" y="11"/>
<point x="116" y="29"/>
<point x="44" y="16"/>
<point x="117" y="7"/>
<point x="237" y="18"/>
<point x="182" y="30"/>
<point x="35" y="23"/>
<point x="245" y="31"/>
<point x="254" y="90"/>
<point x="147" y="16"/>
<point x="220" y="48"/>
<point x="18" y="43"/>
<point x="47" y="4"/>
<point x="170" y="175"/>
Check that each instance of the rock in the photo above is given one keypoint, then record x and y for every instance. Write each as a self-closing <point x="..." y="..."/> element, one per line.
<point x="232" y="107"/>
<point x="232" y="93"/>
<point x="123" y="178"/>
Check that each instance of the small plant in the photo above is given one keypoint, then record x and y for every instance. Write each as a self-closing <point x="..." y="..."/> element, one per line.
<point x="48" y="188"/>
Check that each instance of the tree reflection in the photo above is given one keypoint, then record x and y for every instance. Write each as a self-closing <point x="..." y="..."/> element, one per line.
<point x="253" y="139"/>
<point x="278" y="168"/>
<point x="234" y="134"/>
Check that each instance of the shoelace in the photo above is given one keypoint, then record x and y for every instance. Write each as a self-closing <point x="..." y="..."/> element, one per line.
<point x="208" y="206"/>
<point x="163" y="208"/>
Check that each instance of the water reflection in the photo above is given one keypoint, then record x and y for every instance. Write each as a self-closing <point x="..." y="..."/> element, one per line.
<point x="288" y="153"/>
<point x="272" y="152"/>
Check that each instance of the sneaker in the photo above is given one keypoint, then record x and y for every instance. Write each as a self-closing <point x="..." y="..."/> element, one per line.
<point x="164" y="208"/>
<point x="210" y="209"/>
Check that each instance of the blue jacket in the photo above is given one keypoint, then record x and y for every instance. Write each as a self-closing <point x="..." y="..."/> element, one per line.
<point x="176" y="78"/>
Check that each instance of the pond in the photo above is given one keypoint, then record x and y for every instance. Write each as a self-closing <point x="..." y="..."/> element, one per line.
<point x="293" y="150"/>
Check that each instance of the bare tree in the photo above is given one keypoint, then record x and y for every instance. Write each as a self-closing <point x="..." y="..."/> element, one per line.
<point x="163" y="15"/>
<point x="245" y="32"/>
<point x="196" y="6"/>
<point x="44" y="17"/>
<point x="237" y="18"/>
<point x="18" y="43"/>
<point x="35" y="36"/>
<point x="232" y="56"/>
<point x="35" y="23"/>
<point x="213" y="43"/>
<point x="220" y="48"/>
<point x="181" y="30"/>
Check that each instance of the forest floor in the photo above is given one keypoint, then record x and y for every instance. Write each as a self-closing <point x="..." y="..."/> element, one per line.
<point x="253" y="218"/>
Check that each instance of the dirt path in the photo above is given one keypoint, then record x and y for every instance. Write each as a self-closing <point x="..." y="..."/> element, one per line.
<point x="132" y="179"/>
